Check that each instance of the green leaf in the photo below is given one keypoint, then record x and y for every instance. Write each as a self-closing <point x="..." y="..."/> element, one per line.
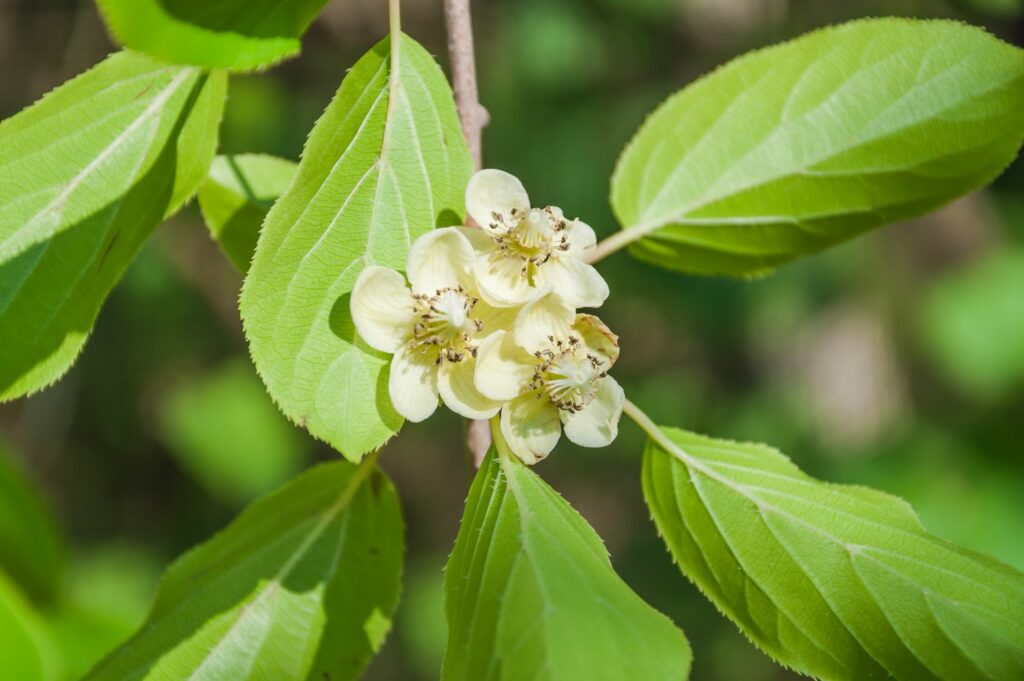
<point x="236" y="197"/>
<point x="385" y="164"/>
<point x="239" y="35"/>
<point x="26" y="653"/>
<point x="87" y="173"/>
<point x="531" y="593"/>
<point x="31" y="546"/>
<point x="835" y="581"/>
<point x="300" y="586"/>
<point x="227" y="433"/>
<point x="791" y="149"/>
<point x="971" y="325"/>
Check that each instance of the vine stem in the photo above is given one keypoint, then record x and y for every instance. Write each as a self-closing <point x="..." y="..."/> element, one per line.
<point x="643" y="420"/>
<point x="621" y="239"/>
<point x="394" y="22"/>
<point x="472" y="116"/>
<point x="472" y="119"/>
<point x="658" y="435"/>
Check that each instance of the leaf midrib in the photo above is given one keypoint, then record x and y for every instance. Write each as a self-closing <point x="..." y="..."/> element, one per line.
<point x="61" y="199"/>
<point x="645" y="225"/>
<point x="696" y="466"/>
<point x="345" y="496"/>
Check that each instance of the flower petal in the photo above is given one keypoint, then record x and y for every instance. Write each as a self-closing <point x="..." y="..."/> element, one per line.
<point x="480" y="240"/>
<point x="581" y="239"/>
<point x="503" y="369"/>
<point x="381" y="307"/>
<point x="441" y="258"/>
<point x="597" y="339"/>
<point x="491" y="198"/>
<point x="501" y="282"/>
<point x="543" y="322"/>
<point x="493" y="318"/>
<point x="531" y="427"/>
<point x="455" y="383"/>
<point x="413" y="383"/>
<point x="597" y="424"/>
<point x="579" y="283"/>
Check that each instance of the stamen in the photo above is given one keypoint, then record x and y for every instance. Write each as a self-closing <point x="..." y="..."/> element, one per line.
<point x="445" y="322"/>
<point x="567" y="374"/>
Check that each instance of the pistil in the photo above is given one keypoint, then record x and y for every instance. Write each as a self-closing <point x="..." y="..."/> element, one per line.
<point x="445" y="323"/>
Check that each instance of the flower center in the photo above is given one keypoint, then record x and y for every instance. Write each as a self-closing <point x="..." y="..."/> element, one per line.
<point x="568" y="374"/>
<point x="445" y="323"/>
<point x="535" y="230"/>
<point x="534" y="235"/>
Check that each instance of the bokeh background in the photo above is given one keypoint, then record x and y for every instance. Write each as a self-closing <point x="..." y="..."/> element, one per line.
<point x="896" y="360"/>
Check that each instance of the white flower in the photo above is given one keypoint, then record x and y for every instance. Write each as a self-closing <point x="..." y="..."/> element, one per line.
<point x="433" y="329"/>
<point x="529" y="249"/>
<point x="550" y="372"/>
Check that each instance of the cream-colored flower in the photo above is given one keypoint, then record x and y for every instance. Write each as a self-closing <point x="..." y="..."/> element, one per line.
<point x="433" y="326"/>
<point x="551" y="372"/>
<point x="529" y="249"/>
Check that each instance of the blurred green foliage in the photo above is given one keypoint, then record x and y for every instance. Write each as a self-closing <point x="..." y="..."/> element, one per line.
<point x="886" y="361"/>
<point x="27" y="652"/>
<point x="107" y="594"/>
<point x="30" y="544"/>
<point x="226" y="433"/>
<point x="972" y="325"/>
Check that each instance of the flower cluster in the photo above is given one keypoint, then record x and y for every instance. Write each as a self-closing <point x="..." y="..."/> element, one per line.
<point x="487" y="323"/>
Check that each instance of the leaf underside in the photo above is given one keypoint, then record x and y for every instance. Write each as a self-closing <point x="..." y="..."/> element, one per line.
<point x="239" y="35"/>
<point x="835" y="581"/>
<point x="531" y="594"/>
<point x="88" y="172"/>
<point x="301" y="585"/>
<point x="385" y="164"/>
<point x="791" y="149"/>
<point x="236" y="197"/>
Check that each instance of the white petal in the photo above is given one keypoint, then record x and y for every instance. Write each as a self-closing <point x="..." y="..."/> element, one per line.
<point x="543" y="322"/>
<point x="500" y="280"/>
<point x="579" y="283"/>
<point x="493" y="318"/>
<point x="531" y="427"/>
<point x="481" y="241"/>
<point x="581" y="238"/>
<point x="491" y="198"/>
<point x="441" y="258"/>
<point x="598" y="339"/>
<point x="503" y="369"/>
<point x="381" y="307"/>
<point x="413" y="383"/>
<point x="455" y="383"/>
<point x="597" y="424"/>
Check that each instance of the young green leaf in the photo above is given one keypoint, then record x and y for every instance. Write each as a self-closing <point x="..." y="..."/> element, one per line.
<point x="791" y="149"/>
<point x="531" y="593"/>
<point x="236" y="197"/>
<point x="87" y="173"/>
<point x="835" y="581"/>
<point x="385" y="164"/>
<point x="239" y="35"/>
<point x="300" y="586"/>
<point x="31" y="546"/>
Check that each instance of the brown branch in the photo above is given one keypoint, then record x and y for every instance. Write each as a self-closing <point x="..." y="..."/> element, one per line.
<point x="472" y="117"/>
